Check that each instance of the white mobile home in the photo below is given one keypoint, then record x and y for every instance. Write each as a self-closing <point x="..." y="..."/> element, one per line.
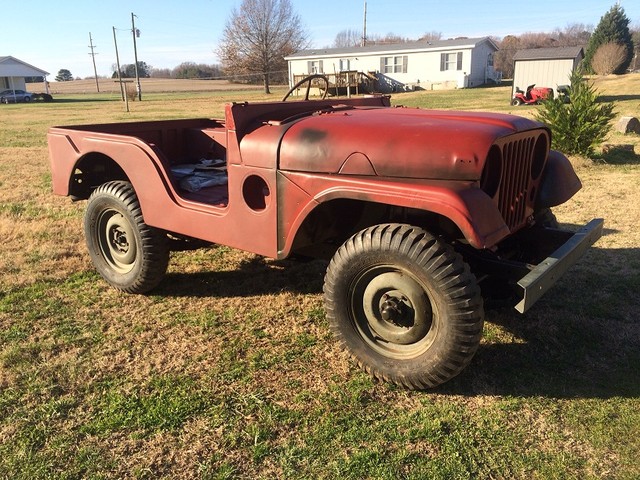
<point x="442" y="64"/>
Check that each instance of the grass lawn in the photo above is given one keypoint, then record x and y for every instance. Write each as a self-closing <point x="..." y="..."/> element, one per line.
<point x="228" y="369"/>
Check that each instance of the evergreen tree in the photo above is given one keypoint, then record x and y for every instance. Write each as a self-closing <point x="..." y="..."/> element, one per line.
<point x="582" y="124"/>
<point x="64" y="75"/>
<point x="128" y="70"/>
<point x="613" y="28"/>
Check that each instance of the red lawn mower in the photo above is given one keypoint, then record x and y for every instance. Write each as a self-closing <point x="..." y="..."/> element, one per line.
<point x="533" y="96"/>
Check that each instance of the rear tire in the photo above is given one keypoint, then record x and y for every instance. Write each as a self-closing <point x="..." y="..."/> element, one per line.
<point x="404" y="305"/>
<point x="130" y="255"/>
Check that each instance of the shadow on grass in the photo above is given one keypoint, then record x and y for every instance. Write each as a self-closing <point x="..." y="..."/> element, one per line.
<point x="617" y="98"/>
<point x="582" y="340"/>
<point x="257" y="276"/>
<point x="619" y="156"/>
<point x="84" y="100"/>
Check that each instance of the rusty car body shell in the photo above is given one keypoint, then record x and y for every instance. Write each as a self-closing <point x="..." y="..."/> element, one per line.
<point x="299" y="170"/>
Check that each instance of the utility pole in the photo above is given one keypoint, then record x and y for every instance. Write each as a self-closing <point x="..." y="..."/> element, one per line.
<point x="93" y="57"/>
<point x="364" y="26"/>
<point x="124" y="97"/>
<point x="136" y="33"/>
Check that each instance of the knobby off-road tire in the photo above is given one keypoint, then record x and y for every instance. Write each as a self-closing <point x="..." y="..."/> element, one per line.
<point x="546" y="218"/>
<point x="130" y="255"/>
<point x="404" y="305"/>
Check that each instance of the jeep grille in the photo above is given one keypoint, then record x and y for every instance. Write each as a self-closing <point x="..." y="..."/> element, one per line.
<point x="512" y="174"/>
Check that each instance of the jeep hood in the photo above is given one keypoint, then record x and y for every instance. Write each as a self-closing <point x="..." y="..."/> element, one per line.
<point x="396" y="142"/>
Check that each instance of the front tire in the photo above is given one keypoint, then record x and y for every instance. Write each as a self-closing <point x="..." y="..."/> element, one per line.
<point x="546" y="218"/>
<point x="404" y="305"/>
<point x="130" y="255"/>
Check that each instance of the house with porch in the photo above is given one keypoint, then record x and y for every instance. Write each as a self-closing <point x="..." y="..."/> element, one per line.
<point x="14" y="72"/>
<point x="429" y="65"/>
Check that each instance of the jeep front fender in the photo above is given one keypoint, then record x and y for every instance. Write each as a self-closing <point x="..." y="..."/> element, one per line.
<point x="559" y="181"/>
<point x="474" y="213"/>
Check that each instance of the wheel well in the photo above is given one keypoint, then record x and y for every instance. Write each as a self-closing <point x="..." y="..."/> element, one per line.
<point x="90" y="172"/>
<point x="330" y="224"/>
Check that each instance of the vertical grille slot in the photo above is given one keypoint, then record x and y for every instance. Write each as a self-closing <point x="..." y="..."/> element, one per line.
<point x="516" y="180"/>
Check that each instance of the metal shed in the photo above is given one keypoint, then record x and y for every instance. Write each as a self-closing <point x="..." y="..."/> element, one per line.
<point x="546" y="67"/>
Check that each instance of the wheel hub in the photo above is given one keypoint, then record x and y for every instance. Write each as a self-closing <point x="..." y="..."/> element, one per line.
<point x="396" y="308"/>
<point x="119" y="240"/>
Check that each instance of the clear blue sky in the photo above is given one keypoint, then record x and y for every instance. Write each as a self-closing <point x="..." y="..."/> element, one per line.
<point x="54" y="35"/>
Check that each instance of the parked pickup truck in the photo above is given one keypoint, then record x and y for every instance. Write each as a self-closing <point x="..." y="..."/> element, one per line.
<point x="423" y="214"/>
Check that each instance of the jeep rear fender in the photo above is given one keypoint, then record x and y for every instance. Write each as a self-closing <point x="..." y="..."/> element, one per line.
<point x="468" y="207"/>
<point x="142" y="164"/>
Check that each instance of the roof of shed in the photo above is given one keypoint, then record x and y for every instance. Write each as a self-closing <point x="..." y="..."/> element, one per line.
<point x="555" y="53"/>
<point x="395" y="48"/>
<point x="12" y="67"/>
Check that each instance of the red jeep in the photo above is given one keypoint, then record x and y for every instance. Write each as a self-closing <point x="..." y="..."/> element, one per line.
<point x="422" y="213"/>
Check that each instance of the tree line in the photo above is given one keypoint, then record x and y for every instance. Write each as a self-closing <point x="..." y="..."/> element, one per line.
<point x="259" y="34"/>
<point x="186" y="70"/>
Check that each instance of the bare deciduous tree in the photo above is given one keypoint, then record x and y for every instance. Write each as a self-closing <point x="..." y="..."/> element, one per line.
<point x="353" y="38"/>
<point x="388" y="39"/>
<point x="258" y="36"/>
<point x="575" y="34"/>
<point x="635" y="35"/>
<point x="608" y="58"/>
<point x="348" y="38"/>
<point x="503" y="58"/>
<point x="431" y="36"/>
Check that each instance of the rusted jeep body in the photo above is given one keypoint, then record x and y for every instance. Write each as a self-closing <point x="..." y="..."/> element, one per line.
<point x="418" y="209"/>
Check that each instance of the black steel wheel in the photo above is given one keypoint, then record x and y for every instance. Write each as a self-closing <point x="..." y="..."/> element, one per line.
<point x="130" y="255"/>
<point x="404" y="305"/>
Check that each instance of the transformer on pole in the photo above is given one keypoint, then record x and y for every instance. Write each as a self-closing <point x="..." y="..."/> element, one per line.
<point x="136" y="33"/>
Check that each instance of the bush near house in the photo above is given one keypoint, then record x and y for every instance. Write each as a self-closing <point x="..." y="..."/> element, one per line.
<point x="609" y="58"/>
<point x="580" y="125"/>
